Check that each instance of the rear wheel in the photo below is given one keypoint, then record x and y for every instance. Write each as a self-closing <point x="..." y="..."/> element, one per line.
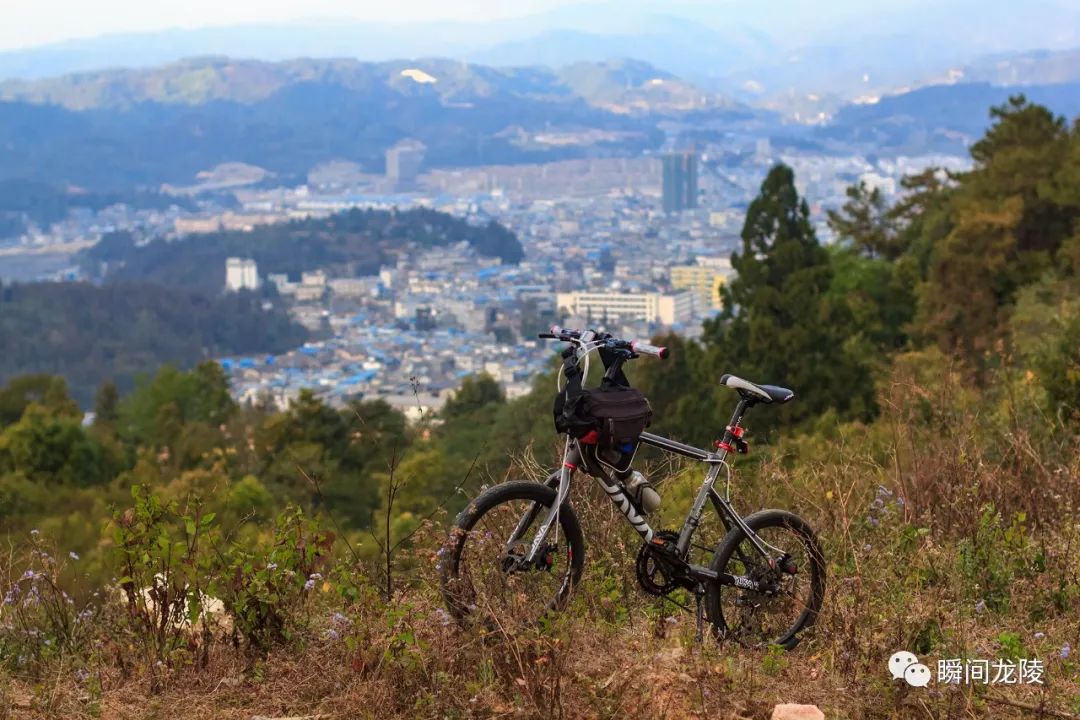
<point x="797" y="586"/>
<point x="484" y="573"/>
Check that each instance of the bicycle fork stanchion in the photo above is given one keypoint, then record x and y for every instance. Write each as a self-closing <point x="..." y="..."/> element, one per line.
<point x="570" y="455"/>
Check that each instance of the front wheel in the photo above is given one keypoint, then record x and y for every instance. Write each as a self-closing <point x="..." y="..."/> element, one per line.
<point x="484" y="571"/>
<point x="796" y="584"/>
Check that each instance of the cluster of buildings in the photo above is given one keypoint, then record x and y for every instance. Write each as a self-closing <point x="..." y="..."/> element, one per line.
<point x="433" y="315"/>
<point x="637" y="246"/>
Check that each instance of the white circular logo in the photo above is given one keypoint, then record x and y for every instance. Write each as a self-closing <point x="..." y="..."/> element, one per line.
<point x="899" y="662"/>
<point x="917" y="675"/>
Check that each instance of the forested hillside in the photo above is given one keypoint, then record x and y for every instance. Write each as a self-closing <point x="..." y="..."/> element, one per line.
<point x="356" y="242"/>
<point x="934" y="444"/>
<point x="89" y="334"/>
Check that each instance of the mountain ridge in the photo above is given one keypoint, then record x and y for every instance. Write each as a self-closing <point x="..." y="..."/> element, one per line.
<point x="212" y="78"/>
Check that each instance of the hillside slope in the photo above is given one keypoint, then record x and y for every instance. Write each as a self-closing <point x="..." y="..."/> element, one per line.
<point x="357" y="242"/>
<point x="117" y="332"/>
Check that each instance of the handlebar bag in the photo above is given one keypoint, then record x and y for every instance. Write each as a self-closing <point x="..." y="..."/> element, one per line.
<point x="616" y="411"/>
<point x="619" y="414"/>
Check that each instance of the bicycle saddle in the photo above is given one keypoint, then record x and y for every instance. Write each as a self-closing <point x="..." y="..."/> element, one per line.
<point x="755" y="392"/>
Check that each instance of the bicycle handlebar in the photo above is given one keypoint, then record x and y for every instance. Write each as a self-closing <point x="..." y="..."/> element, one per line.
<point x="644" y="348"/>
<point x="635" y="346"/>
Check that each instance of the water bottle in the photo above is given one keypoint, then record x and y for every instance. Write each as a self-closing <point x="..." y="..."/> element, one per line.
<point x="642" y="493"/>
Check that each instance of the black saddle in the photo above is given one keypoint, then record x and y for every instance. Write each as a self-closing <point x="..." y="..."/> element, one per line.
<point x="757" y="393"/>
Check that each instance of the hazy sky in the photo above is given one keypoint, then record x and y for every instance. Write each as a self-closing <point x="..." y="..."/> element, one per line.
<point x="24" y="23"/>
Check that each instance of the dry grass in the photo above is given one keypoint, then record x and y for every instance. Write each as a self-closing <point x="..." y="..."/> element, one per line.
<point x="946" y="532"/>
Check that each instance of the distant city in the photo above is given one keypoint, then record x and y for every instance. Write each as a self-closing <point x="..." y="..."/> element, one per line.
<point x="636" y="245"/>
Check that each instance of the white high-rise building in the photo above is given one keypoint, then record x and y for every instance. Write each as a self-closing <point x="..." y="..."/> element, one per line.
<point x="649" y="307"/>
<point x="241" y="274"/>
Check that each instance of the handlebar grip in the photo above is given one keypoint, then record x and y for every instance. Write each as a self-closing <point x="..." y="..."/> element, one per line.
<point x="547" y="336"/>
<point x="561" y="332"/>
<point x="644" y="348"/>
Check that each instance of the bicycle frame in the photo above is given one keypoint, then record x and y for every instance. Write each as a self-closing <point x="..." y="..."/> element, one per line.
<point x="573" y="458"/>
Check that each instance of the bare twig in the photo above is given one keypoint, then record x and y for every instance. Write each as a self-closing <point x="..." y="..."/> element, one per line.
<point x="1040" y="708"/>
<point x="322" y="500"/>
<point x="442" y="503"/>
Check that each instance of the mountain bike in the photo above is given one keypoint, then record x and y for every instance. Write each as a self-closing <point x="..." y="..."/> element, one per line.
<point x="516" y="552"/>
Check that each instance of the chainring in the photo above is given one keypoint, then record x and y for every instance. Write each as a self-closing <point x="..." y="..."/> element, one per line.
<point x="650" y="566"/>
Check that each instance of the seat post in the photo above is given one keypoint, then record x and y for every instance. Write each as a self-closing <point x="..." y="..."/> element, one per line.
<point x="736" y="418"/>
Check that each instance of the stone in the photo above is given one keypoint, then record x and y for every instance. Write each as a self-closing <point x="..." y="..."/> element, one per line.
<point x="790" y="711"/>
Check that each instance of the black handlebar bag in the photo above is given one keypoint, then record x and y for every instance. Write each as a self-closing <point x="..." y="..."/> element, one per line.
<point x="620" y="415"/>
<point x="615" y="412"/>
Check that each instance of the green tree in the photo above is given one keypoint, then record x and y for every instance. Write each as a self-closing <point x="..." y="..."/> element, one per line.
<point x="1020" y="157"/>
<point x="155" y="412"/>
<point x="779" y="325"/>
<point x="107" y="404"/>
<point x="315" y="454"/>
<point x="48" y="391"/>
<point x="1007" y="223"/>
<point x="51" y="449"/>
<point x="867" y="224"/>
<point x="970" y="280"/>
<point x="476" y="392"/>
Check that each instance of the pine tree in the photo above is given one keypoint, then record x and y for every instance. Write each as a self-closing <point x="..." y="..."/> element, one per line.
<point x="778" y="324"/>
<point x="1008" y="221"/>
<point x="866" y="223"/>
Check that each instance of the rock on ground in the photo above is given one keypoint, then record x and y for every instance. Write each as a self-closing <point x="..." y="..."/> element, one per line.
<point x="797" y="712"/>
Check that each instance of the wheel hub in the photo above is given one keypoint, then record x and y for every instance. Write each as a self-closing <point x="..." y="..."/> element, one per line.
<point x="514" y="560"/>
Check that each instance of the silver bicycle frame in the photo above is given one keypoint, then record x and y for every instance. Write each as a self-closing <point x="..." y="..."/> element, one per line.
<point x="573" y="458"/>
